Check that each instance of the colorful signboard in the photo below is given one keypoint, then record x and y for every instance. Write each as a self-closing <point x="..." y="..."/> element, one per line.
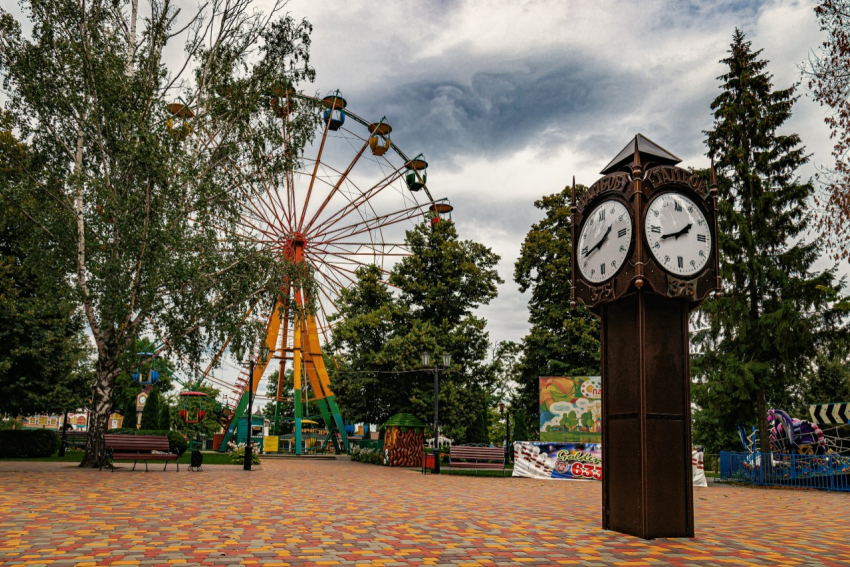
<point x="571" y="409"/>
<point x="571" y="461"/>
<point x="575" y="461"/>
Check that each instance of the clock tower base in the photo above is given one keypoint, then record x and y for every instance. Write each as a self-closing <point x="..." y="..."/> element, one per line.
<point x="647" y="484"/>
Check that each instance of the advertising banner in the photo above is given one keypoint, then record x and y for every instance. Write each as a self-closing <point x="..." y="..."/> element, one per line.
<point x="574" y="461"/>
<point x="571" y="409"/>
<point x="571" y="461"/>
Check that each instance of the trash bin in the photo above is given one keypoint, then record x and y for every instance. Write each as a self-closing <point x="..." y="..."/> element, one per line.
<point x="428" y="461"/>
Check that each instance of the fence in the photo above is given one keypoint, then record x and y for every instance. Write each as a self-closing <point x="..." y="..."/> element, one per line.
<point x="377" y="444"/>
<point x="822" y="472"/>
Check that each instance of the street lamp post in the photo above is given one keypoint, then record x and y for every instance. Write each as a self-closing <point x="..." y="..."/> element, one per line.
<point x="507" y="414"/>
<point x="426" y="363"/>
<point x="264" y="355"/>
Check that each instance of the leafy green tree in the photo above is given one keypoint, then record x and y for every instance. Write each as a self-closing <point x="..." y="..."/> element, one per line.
<point x="141" y="207"/>
<point x="44" y="354"/>
<point x="380" y="337"/>
<point x="562" y="341"/>
<point x="759" y="339"/>
<point x="152" y="412"/>
<point x="587" y="420"/>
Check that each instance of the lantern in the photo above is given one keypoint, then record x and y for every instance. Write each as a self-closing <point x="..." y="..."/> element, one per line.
<point x="193" y="407"/>
<point x="416" y="177"/>
<point x="379" y="142"/>
<point x="334" y="115"/>
<point x="183" y="113"/>
<point x="441" y="210"/>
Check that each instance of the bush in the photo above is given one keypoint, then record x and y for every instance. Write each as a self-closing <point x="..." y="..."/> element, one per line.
<point x="25" y="444"/>
<point x="237" y="456"/>
<point x="176" y="442"/>
<point x="370" y="456"/>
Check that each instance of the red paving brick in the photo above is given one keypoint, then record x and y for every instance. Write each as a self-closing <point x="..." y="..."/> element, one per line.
<point x="306" y="513"/>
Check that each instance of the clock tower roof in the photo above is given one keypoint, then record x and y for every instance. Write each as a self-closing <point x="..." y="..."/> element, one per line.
<point x="648" y="151"/>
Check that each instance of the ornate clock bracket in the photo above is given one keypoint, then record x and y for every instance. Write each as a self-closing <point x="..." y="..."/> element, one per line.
<point x="682" y="288"/>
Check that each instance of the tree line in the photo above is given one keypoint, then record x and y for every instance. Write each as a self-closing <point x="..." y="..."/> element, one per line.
<point x="106" y="215"/>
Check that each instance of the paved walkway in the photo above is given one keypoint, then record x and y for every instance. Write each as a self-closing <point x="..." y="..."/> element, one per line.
<point x="337" y="512"/>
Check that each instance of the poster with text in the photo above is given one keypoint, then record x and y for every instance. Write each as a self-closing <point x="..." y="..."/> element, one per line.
<point x="569" y="461"/>
<point x="571" y="409"/>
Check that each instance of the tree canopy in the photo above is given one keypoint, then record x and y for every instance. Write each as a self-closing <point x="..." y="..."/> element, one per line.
<point x="139" y="199"/>
<point x="379" y="336"/>
<point x="562" y="341"/>
<point x="761" y="337"/>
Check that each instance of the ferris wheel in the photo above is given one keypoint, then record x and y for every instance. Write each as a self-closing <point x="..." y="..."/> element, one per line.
<point x="347" y="203"/>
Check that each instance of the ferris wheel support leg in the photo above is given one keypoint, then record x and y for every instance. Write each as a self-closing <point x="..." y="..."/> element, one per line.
<point x="324" y="380"/>
<point x="320" y="397"/>
<point x="296" y="380"/>
<point x="272" y="330"/>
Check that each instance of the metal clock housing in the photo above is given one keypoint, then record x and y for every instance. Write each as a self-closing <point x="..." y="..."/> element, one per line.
<point x="605" y="241"/>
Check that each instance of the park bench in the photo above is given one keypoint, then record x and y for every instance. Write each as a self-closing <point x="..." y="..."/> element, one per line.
<point x="138" y="448"/>
<point x="76" y="439"/>
<point x="466" y="457"/>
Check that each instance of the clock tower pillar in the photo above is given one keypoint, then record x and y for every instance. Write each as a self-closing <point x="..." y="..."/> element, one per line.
<point x="671" y="267"/>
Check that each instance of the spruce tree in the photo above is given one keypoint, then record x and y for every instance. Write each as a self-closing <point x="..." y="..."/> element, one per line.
<point x="165" y="416"/>
<point x="151" y="412"/>
<point x="131" y="420"/>
<point x="762" y="335"/>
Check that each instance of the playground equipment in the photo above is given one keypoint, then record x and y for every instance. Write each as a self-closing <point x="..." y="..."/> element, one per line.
<point x="823" y="435"/>
<point x="813" y="454"/>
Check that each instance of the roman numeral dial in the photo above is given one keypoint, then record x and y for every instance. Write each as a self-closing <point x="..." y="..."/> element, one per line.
<point x="604" y="241"/>
<point x="677" y="233"/>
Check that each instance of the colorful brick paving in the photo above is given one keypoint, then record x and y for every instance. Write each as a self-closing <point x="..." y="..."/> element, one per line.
<point x="305" y="513"/>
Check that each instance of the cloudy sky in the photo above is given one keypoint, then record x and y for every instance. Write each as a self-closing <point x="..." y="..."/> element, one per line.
<point x="509" y="100"/>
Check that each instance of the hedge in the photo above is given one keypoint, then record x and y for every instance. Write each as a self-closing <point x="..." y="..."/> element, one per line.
<point x="176" y="441"/>
<point x="26" y="444"/>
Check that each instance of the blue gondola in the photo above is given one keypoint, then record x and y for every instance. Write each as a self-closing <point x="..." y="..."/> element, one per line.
<point x="334" y="114"/>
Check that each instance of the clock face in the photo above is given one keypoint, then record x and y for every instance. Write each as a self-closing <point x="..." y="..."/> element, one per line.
<point x="604" y="241"/>
<point x="142" y="400"/>
<point x="677" y="233"/>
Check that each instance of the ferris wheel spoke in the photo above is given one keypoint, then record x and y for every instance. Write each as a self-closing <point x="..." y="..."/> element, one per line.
<point x="259" y="200"/>
<point x="361" y="199"/>
<point x="371" y="224"/>
<point x="268" y="192"/>
<point x="346" y="271"/>
<point x="336" y="187"/>
<point x="315" y="169"/>
<point x="358" y="262"/>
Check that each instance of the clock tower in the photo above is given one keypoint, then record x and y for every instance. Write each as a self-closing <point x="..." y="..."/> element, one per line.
<point x="644" y="257"/>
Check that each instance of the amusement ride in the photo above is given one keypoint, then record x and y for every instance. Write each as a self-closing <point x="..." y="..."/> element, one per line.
<point x="347" y="203"/>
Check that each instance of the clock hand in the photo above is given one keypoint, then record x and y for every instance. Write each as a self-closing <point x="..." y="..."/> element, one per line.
<point x="676" y="235"/>
<point x="600" y="243"/>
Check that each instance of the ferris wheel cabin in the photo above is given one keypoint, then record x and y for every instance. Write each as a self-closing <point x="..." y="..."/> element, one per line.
<point x="334" y="115"/>
<point x="416" y="176"/>
<point x="379" y="141"/>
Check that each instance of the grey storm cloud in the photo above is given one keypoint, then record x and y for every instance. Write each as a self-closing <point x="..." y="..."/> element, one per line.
<point x="497" y="113"/>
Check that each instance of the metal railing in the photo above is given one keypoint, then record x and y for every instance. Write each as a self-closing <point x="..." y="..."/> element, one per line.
<point x="822" y="472"/>
<point x="377" y="444"/>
